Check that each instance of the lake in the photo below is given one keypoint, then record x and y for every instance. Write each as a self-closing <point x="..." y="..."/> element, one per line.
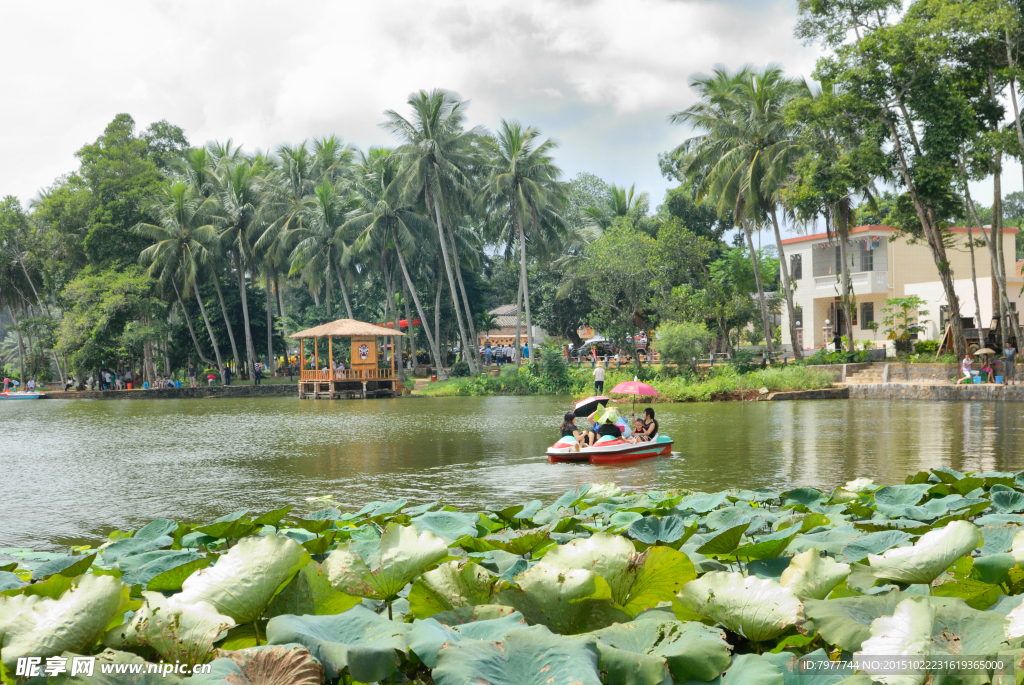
<point x="72" y="470"/>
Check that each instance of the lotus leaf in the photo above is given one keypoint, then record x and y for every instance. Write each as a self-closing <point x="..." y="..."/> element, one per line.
<point x="111" y="656"/>
<point x="701" y="502"/>
<point x="428" y="636"/>
<point x="767" y="546"/>
<point x="267" y="665"/>
<point x="271" y="518"/>
<point x="998" y="538"/>
<point x="400" y="556"/>
<point x="959" y="630"/>
<point x="9" y="581"/>
<point x="310" y="592"/>
<point x="639" y="652"/>
<point x="568" y="602"/>
<point x="180" y="631"/>
<point x="497" y="561"/>
<point x="907" y="633"/>
<point x="156" y="529"/>
<point x="873" y="543"/>
<point x="805" y="496"/>
<point x="933" y="553"/>
<point x="846" y="621"/>
<point x="72" y="623"/>
<point x="794" y="672"/>
<point x="638" y="581"/>
<point x="525" y="657"/>
<point x="447" y="525"/>
<point x="725" y="542"/>
<point x="519" y="541"/>
<point x="172" y="579"/>
<point x="68" y="566"/>
<point x="450" y="586"/>
<point x="624" y="519"/>
<point x="901" y="495"/>
<point x="811" y="576"/>
<point x="756" y="608"/>
<point x="11" y="607"/>
<point x="668" y="530"/>
<point x="358" y="642"/>
<point x="482" y="612"/>
<point x="244" y="581"/>
<point x="139" y="569"/>
<point x="750" y="669"/>
<point x="233" y="525"/>
<point x="319" y="521"/>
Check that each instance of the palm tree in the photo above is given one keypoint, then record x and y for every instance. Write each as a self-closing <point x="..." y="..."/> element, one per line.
<point x="735" y="159"/>
<point x="619" y="203"/>
<point x="321" y="240"/>
<point x="183" y="241"/>
<point x="237" y="194"/>
<point x="383" y="219"/>
<point x="522" y="177"/>
<point x="437" y="156"/>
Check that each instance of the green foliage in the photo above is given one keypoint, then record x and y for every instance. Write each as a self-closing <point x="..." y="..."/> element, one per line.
<point x="681" y="342"/>
<point x="926" y="346"/>
<point x="902" y="317"/>
<point x="460" y="369"/>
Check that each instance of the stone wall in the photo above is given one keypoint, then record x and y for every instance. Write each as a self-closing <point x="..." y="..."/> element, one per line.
<point x="275" y="390"/>
<point x="822" y="394"/>
<point x="938" y="391"/>
<point x="840" y="371"/>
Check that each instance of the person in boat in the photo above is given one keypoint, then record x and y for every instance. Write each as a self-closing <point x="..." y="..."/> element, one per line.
<point x="639" y="430"/>
<point x="607" y="424"/>
<point x="569" y="429"/>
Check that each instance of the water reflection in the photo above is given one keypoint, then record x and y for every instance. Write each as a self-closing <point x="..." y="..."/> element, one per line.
<point x="71" y="471"/>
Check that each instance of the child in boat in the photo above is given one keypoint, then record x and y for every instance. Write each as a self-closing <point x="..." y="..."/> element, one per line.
<point x="569" y="430"/>
<point x="638" y="431"/>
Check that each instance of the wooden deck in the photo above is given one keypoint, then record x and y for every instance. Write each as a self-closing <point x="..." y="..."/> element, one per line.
<point x="350" y="384"/>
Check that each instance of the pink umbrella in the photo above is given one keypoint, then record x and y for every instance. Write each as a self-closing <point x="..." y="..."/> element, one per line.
<point x="633" y="387"/>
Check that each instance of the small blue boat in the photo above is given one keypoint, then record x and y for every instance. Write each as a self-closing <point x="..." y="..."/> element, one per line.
<point x="8" y="395"/>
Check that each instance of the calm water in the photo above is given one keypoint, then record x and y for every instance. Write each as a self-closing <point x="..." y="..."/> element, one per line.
<point x="71" y="471"/>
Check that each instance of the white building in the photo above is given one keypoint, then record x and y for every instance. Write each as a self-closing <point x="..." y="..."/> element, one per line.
<point x="884" y="265"/>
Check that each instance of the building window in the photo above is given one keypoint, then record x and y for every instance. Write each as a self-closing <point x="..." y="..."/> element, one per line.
<point x="839" y="261"/>
<point x="799" y="311"/>
<point x="867" y="260"/>
<point x="867" y="315"/>
<point x="796" y="267"/>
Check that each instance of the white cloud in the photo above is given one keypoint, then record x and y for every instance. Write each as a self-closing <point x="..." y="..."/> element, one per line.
<point x="601" y="76"/>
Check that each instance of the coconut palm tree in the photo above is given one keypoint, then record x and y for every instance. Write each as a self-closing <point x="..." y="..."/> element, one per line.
<point x="619" y="203"/>
<point x="522" y="179"/>
<point x="383" y="218"/>
<point x="437" y="156"/>
<point x="735" y="158"/>
<point x="183" y="242"/>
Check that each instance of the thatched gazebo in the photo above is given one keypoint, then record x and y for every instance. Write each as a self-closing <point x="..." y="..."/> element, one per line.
<point x="364" y="376"/>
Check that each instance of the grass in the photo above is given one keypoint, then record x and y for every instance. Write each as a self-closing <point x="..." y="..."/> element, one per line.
<point x="723" y="382"/>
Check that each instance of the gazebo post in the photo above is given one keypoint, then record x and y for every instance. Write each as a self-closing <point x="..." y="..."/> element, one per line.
<point x="392" y="362"/>
<point x="330" y="355"/>
<point x="302" y="360"/>
<point x="316" y="358"/>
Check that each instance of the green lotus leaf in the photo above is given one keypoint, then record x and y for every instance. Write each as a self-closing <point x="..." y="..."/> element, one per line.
<point x="266" y="665"/>
<point x="172" y="579"/>
<point x="180" y="631"/>
<point x="811" y="576"/>
<point x="108" y="657"/>
<point x="805" y="496"/>
<point x="10" y="581"/>
<point x="907" y="633"/>
<point x="933" y="553"/>
<point x="846" y="621"/>
<point x="873" y="543"/>
<point x="519" y="541"/>
<point x="428" y="636"/>
<point x="830" y="541"/>
<point x="233" y="525"/>
<point x="319" y="521"/>
<point x="639" y="652"/>
<point x="271" y="518"/>
<point x="998" y="539"/>
<point x="1008" y="501"/>
<point x="73" y="623"/>
<point x="69" y="566"/>
<point x="139" y="569"/>
<point x="667" y="530"/>
<point x="244" y="581"/>
<point x="451" y="585"/>
<point x="156" y="529"/>
<point x="901" y="495"/>
<point x="725" y="542"/>
<point x="525" y="657"/>
<point x="566" y="601"/>
<point x="638" y="581"/>
<point x="1014" y="626"/>
<point x="750" y="669"/>
<point x="976" y="593"/>
<point x="793" y="671"/>
<point x="447" y="525"/>
<point x="482" y="612"/>
<point x="960" y="630"/>
<point x="358" y="642"/>
<point x="11" y="607"/>
<point x="734" y="515"/>
<point x="399" y="557"/>
<point x="310" y="592"/>
<point x="529" y="510"/>
<point x="702" y="502"/>
<point x="506" y="564"/>
<point x="756" y="608"/>
<point x="767" y="546"/>
<point x="625" y="519"/>
<point x="994" y="568"/>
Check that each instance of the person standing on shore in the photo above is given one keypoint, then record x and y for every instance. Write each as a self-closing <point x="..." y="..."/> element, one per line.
<point x="257" y="373"/>
<point x="191" y="375"/>
<point x="1009" y="363"/>
<point x="227" y="375"/>
<point x="599" y="372"/>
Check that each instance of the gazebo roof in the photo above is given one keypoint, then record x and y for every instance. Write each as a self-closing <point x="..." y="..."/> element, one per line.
<point x="346" y="328"/>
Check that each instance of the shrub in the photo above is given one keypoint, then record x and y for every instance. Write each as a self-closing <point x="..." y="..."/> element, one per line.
<point x="680" y="342"/>
<point x="926" y="346"/>
<point x="460" y="369"/>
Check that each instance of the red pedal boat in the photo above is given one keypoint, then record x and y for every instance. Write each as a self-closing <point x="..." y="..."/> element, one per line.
<point x="609" y="450"/>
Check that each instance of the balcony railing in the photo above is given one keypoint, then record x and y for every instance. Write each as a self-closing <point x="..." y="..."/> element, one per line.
<point x="346" y="375"/>
<point x="862" y="282"/>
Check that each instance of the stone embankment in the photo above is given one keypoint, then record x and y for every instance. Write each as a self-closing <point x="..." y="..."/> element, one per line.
<point x="890" y="381"/>
<point x="275" y="390"/>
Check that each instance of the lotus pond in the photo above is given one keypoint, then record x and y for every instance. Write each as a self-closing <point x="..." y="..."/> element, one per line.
<point x="743" y="586"/>
<point x="72" y="471"/>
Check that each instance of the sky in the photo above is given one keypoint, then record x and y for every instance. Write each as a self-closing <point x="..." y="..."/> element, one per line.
<point x="599" y="76"/>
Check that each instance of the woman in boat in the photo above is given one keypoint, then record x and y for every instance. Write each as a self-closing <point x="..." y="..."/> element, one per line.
<point x="569" y="430"/>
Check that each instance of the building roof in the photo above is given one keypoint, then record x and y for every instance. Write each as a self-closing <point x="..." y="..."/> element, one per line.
<point x="346" y="328"/>
<point x="878" y="229"/>
<point x="505" y="315"/>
